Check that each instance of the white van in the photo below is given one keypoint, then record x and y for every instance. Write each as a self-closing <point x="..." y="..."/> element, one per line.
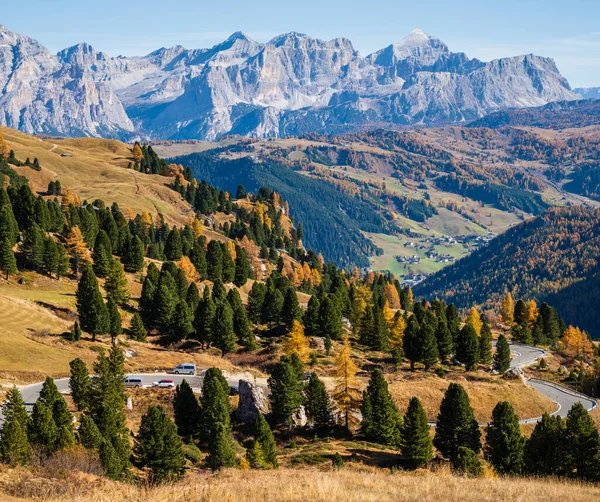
<point x="134" y="382"/>
<point x="185" y="369"/>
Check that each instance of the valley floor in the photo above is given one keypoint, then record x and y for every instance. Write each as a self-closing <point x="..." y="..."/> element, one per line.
<point x="352" y="483"/>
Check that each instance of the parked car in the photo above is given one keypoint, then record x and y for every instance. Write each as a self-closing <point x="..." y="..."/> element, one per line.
<point x="134" y="381"/>
<point x="185" y="369"/>
<point x="164" y="384"/>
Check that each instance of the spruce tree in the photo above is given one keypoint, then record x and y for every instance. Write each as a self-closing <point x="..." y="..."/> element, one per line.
<point x="214" y="261"/>
<point x="381" y="420"/>
<point x="80" y="384"/>
<point x="116" y="284"/>
<point x="102" y="254"/>
<point x="429" y="346"/>
<point x="466" y="463"/>
<point x="228" y="266"/>
<point x="9" y="229"/>
<point x="88" y="434"/>
<point x="312" y="326"/>
<point x="256" y="299"/>
<point x="192" y="296"/>
<point x="412" y="341"/>
<point x="165" y="301"/>
<point x="416" y="446"/>
<point x="255" y="456"/>
<point x="187" y="411"/>
<point x="181" y="323"/>
<point x="42" y="429"/>
<point x="264" y="436"/>
<point x="93" y="314"/>
<point x="330" y="319"/>
<point x="204" y="319"/>
<point x="485" y="344"/>
<point x="8" y="263"/>
<point x="221" y="451"/>
<point x="467" y="347"/>
<point x="76" y="332"/>
<point x="272" y="307"/>
<point x="222" y="329"/>
<point x="133" y="257"/>
<point x="63" y="420"/>
<point x="286" y="387"/>
<point x="242" y="267"/>
<point x="318" y="405"/>
<point x="582" y="455"/>
<point x="520" y="316"/>
<point x="50" y="259"/>
<point x="290" y="311"/>
<point x="502" y="355"/>
<point x="505" y="445"/>
<point x="445" y="342"/>
<point x="173" y="246"/>
<point x="241" y="325"/>
<point x="158" y="447"/>
<point x="14" y="445"/>
<point x="456" y="424"/>
<point x="545" y="449"/>
<point x="137" y="329"/>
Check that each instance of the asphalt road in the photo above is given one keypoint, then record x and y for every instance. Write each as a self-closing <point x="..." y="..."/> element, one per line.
<point x="523" y="355"/>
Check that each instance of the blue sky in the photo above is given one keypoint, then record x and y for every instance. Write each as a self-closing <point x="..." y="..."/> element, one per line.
<point x="568" y="31"/>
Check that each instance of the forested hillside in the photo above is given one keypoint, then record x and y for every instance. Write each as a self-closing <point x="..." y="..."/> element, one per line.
<point x="552" y="257"/>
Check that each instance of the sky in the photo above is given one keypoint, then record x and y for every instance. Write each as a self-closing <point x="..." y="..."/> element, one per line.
<point x="567" y="31"/>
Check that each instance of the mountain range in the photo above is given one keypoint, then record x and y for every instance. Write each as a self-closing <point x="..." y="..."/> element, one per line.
<point x="291" y="85"/>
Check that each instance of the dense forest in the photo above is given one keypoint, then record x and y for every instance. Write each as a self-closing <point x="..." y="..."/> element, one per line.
<point x="552" y="257"/>
<point x="332" y="220"/>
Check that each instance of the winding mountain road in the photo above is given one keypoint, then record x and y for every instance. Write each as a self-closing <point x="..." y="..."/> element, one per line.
<point x="523" y="356"/>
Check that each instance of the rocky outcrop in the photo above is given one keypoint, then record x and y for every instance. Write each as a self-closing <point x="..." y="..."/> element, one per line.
<point x="252" y="402"/>
<point x="291" y="85"/>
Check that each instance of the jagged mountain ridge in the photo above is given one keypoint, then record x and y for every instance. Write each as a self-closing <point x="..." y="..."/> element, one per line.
<point x="290" y="85"/>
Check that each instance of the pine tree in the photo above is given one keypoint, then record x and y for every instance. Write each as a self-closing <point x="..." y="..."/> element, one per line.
<point x="214" y="261"/>
<point x="51" y="257"/>
<point x="192" y="296"/>
<point x="456" y="424"/>
<point x="242" y="267"/>
<point x="9" y="229"/>
<point x="137" y="330"/>
<point x="412" y="341"/>
<point x="133" y="256"/>
<point x="222" y="328"/>
<point x="8" y="263"/>
<point x="467" y="347"/>
<point x="88" y="434"/>
<point x="76" y="332"/>
<point x="545" y="449"/>
<point x="381" y="420"/>
<point x="416" y="446"/>
<point x="220" y="448"/>
<point x="204" y="319"/>
<point x="520" y="316"/>
<point x="311" y="317"/>
<point x="115" y="325"/>
<point x="396" y="341"/>
<point x="485" y="344"/>
<point x="504" y="443"/>
<point x="42" y="429"/>
<point x="330" y="319"/>
<point x="290" y="311"/>
<point x="173" y="246"/>
<point x="93" y="314"/>
<point x="255" y="456"/>
<point x="116" y="284"/>
<point x="63" y="420"/>
<point x="264" y="436"/>
<point x="80" y="384"/>
<point x="228" y="266"/>
<point x="165" y="302"/>
<point x="187" y="411"/>
<point x="429" y="348"/>
<point x="158" y="447"/>
<point x="445" y="342"/>
<point x="286" y="391"/>
<point x="14" y="446"/>
<point x="582" y="455"/>
<point x="256" y="299"/>
<point x="502" y="355"/>
<point x="296" y="343"/>
<point x="102" y="254"/>
<point x="507" y="310"/>
<point x="181" y="323"/>
<point x="318" y="406"/>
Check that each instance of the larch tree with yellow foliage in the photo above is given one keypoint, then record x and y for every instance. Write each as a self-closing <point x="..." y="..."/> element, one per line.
<point x="532" y="313"/>
<point x="297" y="343"/>
<point x="507" y="309"/>
<point x="67" y="199"/>
<point x="395" y="342"/>
<point x="137" y="153"/>
<point x="346" y="394"/>
<point x="77" y="248"/>
<point x="576" y="343"/>
<point x="391" y="295"/>
<point x="474" y="320"/>
<point x="197" y="228"/>
<point x="4" y="150"/>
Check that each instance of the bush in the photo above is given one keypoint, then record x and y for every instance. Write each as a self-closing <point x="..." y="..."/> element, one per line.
<point x="466" y="463"/>
<point x="192" y="453"/>
<point x="441" y="372"/>
<point x="337" y="461"/>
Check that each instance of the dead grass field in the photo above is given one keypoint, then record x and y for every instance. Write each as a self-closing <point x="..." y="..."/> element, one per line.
<point x="353" y="483"/>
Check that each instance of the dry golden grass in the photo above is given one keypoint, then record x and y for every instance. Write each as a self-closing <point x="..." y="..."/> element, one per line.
<point x="97" y="170"/>
<point x="351" y="484"/>
<point x="484" y="390"/>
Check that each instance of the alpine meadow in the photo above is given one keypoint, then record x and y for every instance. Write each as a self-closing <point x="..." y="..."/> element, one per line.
<point x="280" y="268"/>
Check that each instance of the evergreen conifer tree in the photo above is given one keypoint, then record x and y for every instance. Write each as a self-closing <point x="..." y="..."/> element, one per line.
<point x="318" y="406"/>
<point x="466" y="463"/>
<point x="14" y="445"/>
<point x="545" y="449"/>
<point x="505" y="445"/>
<point x="137" y="329"/>
<point x="181" y="322"/>
<point x="192" y="296"/>
<point x="256" y="299"/>
<point x="88" y="434"/>
<point x="133" y="257"/>
<point x="93" y="314"/>
<point x="116" y="283"/>
<point x="290" y="311"/>
<point x="412" y="341"/>
<point x="228" y="265"/>
<point x="222" y="328"/>
<point x="286" y="391"/>
<point x="467" y="347"/>
<point x="502" y="355"/>
<point x="456" y="424"/>
<point x="485" y="344"/>
<point x="187" y="411"/>
<point x="158" y="447"/>
<point x="204" y="319"/>
<point x="264" y="436"/>
<point x="102" y="254"/>
<point x="416" y="446"/>
<point x="173" y="246"/>
<point x="381" y="422"/>
<point x="80" y="384"/>
<point x="445" y="342"/>
<point x="242" y="267"/>
<point x="214" y="261"/>
<point x="310" y="320"/>
<point x="582" y="454"/>
<point x="8" y="263"/>
<point x="115" y="326"/>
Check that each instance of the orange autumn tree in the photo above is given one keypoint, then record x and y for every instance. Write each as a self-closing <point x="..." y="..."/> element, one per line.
<point x="576" y="343"/>
<point x="77" y="248"/>
<point x="297" y="343"/>
<point x="137" y="153"/>
<point x="391" y="295"/>
<point x="346" y="394"/>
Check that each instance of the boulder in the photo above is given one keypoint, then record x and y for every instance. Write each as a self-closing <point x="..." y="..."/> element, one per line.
<point x="317" y="342"/>
<point x="299" y="419"/>
<point x="514" y="373"/>
<point x="252" y="402"/>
